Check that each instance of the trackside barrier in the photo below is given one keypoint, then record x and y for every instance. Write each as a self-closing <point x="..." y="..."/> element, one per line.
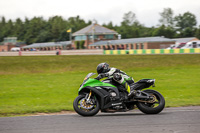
<point x="152" y="51"/>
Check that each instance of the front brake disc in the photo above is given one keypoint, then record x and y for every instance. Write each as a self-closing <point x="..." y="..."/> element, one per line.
<point x="85" y="105"/>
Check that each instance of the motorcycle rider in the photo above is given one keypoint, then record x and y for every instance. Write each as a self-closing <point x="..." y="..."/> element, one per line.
<point x="119" y="76"/>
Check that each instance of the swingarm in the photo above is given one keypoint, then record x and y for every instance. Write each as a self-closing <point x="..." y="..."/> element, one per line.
<point x="140" y="95"/>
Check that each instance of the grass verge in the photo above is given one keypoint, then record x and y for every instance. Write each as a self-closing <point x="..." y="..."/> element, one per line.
<point x="50" y="83"/>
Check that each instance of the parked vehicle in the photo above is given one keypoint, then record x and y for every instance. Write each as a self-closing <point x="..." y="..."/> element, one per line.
<point x="181" y="45"/>
<point x="110" y="96"/>
<point x="171" y="47"/>
<point x="32" y="49"/>
<point x="193" y="44"/>
<point x="15" y="49"/>
<point x="174" y="46"/>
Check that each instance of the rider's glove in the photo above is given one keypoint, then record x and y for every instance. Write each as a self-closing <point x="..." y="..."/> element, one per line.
<point x="102" y="75"/>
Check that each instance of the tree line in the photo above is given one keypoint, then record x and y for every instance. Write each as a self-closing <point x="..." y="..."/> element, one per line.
<point x="37" y="29"/>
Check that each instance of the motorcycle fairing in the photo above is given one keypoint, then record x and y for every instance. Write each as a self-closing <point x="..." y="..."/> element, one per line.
<point x="94" y="83"/>
<point x="143" y="83"/>
<point x="102" y="95"/>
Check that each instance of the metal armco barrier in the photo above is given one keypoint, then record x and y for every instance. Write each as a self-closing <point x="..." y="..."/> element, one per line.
<point x="152" y="51"/>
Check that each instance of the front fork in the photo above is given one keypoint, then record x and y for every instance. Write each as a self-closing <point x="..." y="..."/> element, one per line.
<point x="87" y="97"/>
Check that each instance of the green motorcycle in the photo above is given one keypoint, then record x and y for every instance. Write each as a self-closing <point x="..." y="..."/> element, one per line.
<point x="109" y="96"/>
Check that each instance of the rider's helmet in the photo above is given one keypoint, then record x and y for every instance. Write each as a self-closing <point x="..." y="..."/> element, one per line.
<point x="103" y="68"/>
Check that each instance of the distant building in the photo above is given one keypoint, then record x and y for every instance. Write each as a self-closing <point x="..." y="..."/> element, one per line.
<point x="82" y="39"/>
<point x="134" y="43"/>
<point x="47" y="46"/>
<point x="9" y="43"/>
<point x="91" y="34"/>
<point x="185" y="40"/>
<point x="10" y="40"/>
<point x="96" y="36"/>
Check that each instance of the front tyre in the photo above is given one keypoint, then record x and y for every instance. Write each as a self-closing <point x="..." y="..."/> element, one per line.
<point x="86" y="108"/>
<point x="154" y="106"/>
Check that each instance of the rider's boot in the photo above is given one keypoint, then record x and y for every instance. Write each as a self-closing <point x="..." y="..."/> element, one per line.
<point x="129" y="90"/>
<point x="132" y="93"/>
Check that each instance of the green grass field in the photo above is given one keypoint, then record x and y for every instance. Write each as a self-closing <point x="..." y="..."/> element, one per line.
<point x="50" y="83"/>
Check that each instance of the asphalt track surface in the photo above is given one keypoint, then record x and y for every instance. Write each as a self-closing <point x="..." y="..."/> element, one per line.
<point x="171" y="120"/>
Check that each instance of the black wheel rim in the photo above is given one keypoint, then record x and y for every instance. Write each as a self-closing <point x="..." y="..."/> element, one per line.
<point x="153" y="103"/>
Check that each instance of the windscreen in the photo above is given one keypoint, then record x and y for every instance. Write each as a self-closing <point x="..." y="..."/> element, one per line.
<point x="89" y="75"/>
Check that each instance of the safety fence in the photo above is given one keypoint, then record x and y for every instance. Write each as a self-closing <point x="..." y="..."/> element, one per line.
<point x="152" y="51"/>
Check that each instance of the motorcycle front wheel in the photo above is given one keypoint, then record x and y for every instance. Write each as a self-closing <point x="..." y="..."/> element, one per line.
<point x="84" y="107"/>
<point x="154" y="106"/>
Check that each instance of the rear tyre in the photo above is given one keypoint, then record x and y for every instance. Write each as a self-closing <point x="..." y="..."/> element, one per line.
<point x="152" y="107"/>
<point x="86" y="109"/>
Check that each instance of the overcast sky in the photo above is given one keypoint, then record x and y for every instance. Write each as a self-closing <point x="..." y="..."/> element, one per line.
<point x="104" y="11"/>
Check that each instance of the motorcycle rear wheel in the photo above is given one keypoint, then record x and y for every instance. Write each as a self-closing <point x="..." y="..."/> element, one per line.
<point x="85" y="109"/>
<point x="153" y="107"/>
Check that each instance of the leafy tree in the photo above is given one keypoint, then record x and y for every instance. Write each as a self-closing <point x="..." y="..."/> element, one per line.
<point x="164" y="31"/>
<point x="19" y="29"/>
<point x="186" y="24"/>
<point x="64" y="36"/>
<point x="76" y="23"/>
<point x="9" y="28"/>
<point x="37" y="29"/>
<point x="167" y="17"/>
<point x="26" y="37"/>
<point x="109" y="25"/>
<point x="33" y="28"/>
<point x="2" y="28"/>
<point x="129" y="19"/>
<point x="188" y="32"/>
<point x="43" y="36"/>
<point x="57" y="25"/>
<point x="3" y="21"/>
<point x="187" y="20"/>
<point x="145" y="31"/>
<point x="129" y="26"/>
<point x="197" y="33"/>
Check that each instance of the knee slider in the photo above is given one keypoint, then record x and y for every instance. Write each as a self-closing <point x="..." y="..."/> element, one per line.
<point x="117" y="76"/>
